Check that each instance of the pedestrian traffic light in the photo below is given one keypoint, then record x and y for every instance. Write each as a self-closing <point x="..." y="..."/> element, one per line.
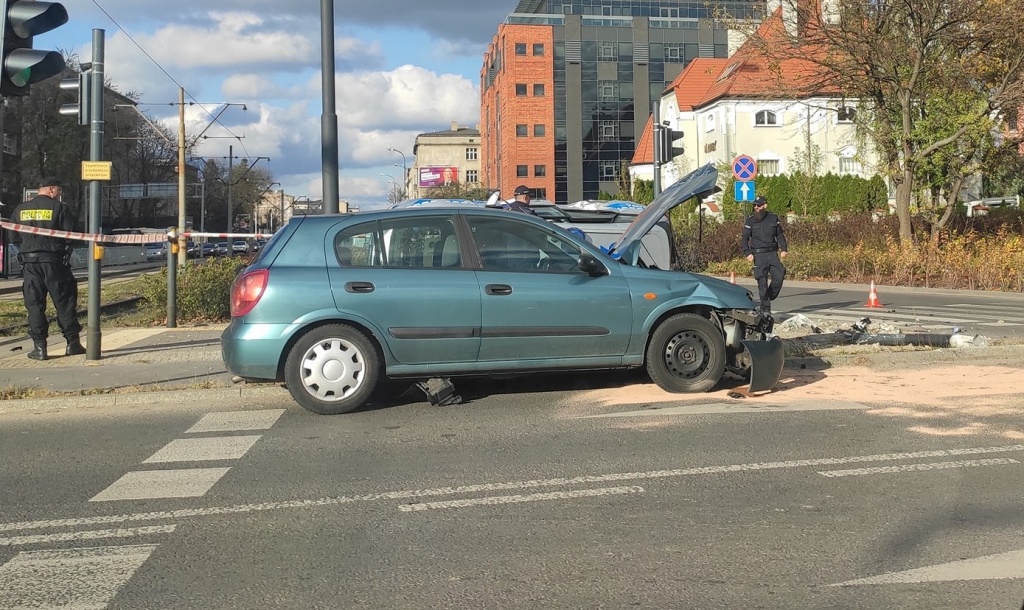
<point x="667" y="147"/>
<point x="22" y="65"/>
<point x="83" y="85"/>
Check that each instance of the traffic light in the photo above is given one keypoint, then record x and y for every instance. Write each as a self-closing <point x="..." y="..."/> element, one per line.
<point x="83" y="85"/>
<point x="667" y="148"/>
<point x="21" y="64"/>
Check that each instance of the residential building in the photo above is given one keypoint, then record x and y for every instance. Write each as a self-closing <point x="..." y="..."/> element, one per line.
<point x="442" y="158"/>
<point x="742" y="105"/>
<point x="566" y="86"/>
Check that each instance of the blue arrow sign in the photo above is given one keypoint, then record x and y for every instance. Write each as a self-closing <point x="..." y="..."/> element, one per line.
<point x="745" y="191"/>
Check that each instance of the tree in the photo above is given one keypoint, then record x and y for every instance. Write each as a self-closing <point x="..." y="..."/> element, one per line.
<point x="904" y="61"/>
<point x="806" y="185"/>
<point x="458" y="190"/>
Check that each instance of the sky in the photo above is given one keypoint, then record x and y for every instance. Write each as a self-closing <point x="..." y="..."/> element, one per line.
<point x="402" y="67"/>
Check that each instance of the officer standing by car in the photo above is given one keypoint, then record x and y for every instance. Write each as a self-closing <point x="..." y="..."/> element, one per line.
<point x="521" y="202"/>
<point x="46" y="268"/>
<point x="764" y="244"/>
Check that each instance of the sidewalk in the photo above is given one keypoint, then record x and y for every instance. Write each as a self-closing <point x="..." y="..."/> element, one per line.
<point x="136" y="365"/>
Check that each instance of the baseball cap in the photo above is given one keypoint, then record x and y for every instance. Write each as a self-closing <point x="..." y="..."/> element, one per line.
<point x="522" y="189"/>
<point x="760" y="200"/>
<point x="51" y="181"/>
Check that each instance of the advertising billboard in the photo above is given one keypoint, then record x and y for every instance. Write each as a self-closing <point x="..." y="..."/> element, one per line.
<point x="438" y="175"/>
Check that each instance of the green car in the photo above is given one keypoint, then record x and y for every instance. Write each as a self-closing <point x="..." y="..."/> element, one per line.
<point x="335" y="303"/>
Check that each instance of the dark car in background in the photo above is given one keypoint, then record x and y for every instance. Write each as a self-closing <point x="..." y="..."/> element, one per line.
<point x="335" y="303"/>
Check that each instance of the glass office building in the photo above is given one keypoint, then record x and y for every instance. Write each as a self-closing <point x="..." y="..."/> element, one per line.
<point x="567" y="86"/>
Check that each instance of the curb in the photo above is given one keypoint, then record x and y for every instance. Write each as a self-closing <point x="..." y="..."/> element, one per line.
<point x="136" y="398"/>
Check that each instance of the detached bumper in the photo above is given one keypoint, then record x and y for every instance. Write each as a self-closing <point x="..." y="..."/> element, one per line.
<point x="766" y="361"/>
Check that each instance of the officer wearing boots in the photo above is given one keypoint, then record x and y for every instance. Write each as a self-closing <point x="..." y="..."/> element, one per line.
<point x="764" y="244"/>
<point x="46" y="268"/>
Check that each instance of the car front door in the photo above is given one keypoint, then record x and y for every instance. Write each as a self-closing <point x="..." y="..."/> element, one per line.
<point x="405" y="275"/>
<point x="537" y="304"/>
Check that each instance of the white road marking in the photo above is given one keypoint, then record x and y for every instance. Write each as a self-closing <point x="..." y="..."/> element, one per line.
<point x="991" y="567"/>
<point x="204" y="449"/>
<point x="493" y="500"/>
<point x="88" y="535"/>
<point x="750" y="406"/>
<point x="147" y="485"/>
<point x="853" y="472"/>
<point x="229" y="421"/>
<point x="77" y="579"/>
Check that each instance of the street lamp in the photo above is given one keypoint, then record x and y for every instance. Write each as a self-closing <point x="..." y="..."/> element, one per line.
<point x="393" y="190"/>
<point x="405" y="169"/>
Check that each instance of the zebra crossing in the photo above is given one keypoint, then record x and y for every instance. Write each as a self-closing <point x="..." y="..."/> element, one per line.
<point x="88" y="577"/>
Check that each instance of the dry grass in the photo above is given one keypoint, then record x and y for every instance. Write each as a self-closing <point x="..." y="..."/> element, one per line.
<point x="35" y="392"/>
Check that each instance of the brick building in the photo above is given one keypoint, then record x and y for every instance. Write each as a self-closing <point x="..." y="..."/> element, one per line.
<point x="567" y="86"/>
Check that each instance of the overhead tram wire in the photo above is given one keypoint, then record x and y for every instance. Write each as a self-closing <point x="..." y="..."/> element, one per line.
<point x="166" y="73"/>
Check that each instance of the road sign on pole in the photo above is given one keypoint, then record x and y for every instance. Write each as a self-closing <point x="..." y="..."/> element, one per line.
<point x="744" y="168"/>
<point x="745" y="191"/>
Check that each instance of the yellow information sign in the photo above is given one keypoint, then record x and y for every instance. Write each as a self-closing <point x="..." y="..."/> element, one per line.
<point x="96" y="170"/>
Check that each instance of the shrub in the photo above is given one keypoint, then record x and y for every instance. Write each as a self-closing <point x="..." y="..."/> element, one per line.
<point x="204" y="289"/>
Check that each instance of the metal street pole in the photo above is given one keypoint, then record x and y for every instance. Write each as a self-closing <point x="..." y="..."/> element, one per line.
<point x="231" y="204"/>
<point x="93" y="336"/>
<point x="329" y="118"/>
<point x="182" y="250"/>
<point x="405" y="169"/>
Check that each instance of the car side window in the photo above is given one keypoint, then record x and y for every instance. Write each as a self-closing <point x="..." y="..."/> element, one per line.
<point x="421" y="242"/>
<point x="359" y="246"/>
<point x="508" y="245"/>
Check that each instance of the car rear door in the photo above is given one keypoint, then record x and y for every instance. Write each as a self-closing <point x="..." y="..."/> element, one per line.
<point x="404" y="274"/>
<point x="537" y="304"/>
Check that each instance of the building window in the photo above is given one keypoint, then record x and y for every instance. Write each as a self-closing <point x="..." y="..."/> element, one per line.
<point x="522" y="171"/>
<point x="520" y="48"/>
<point x="538" y="90"/>
<point x="540" y="171"/>
<point x="709" y="123"/>
<point x="472" y="176"/>
<point x="765" y="117"/>
<point x="539" y="131"/>
<point x="674" y="52"/>
<point x="608" y="89"/>
<point x="538" y="48"/>
<point x="472" y="154"/>
<point x="608" y="51"/>
<point x="609" y="170"/>
<point x="608" y="130"/>
<point x="849" y="165"/>
<point x="521" y="131"/>
<point x="9" y="147"/>
<point x="541" y="194"/>
<point x="768" y="167"/>
<point x="520" y="89"/>
<point x="847" y="114"/>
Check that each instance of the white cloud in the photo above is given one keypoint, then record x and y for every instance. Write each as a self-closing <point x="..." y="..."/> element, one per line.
<point x="407" y="96"/>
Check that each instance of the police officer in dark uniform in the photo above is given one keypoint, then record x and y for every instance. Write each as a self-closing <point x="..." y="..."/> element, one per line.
<point x="764" y="244"/>
<point x="46" y="268"/>
<point x="521" y="201"/>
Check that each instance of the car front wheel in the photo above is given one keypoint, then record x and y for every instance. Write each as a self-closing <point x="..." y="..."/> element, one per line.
<point x="686" y="354"/>
<point x="332" y="369"/>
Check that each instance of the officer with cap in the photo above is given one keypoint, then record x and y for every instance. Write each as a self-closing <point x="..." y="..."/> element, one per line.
<point x="46" y="267"/>
<point x="764" y="244"/>
<point x="521" y="203"/>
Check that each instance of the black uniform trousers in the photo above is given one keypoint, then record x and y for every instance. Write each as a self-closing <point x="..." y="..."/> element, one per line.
<point x="768" y="265"/>
<point x="55" y="279"/>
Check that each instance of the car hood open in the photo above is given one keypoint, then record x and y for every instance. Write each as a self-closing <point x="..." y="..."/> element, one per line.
<point x="699" y="183"/>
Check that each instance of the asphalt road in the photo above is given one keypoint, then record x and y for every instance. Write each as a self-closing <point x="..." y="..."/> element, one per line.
<point x="563" y="498"/>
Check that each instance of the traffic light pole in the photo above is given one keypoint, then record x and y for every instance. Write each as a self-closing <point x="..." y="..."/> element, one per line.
<point x="655" y="140"/>
<point x="94" y="337"/>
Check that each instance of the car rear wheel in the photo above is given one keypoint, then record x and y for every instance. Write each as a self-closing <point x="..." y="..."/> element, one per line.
<point x="332" y="369"/>
<point x="686" y="354"/>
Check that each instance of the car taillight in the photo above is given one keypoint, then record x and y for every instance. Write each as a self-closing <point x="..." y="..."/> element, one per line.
<point x="247" y="290"/>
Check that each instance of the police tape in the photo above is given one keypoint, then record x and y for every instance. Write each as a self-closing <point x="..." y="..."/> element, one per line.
<point x="139" y="238"/>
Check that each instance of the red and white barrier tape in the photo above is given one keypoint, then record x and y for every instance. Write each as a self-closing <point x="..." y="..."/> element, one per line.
<point x="144" y="238"/>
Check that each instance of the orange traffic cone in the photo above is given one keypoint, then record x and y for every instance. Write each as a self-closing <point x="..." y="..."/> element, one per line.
<point x="873" y="297"/>
<point x="732" y="277"/>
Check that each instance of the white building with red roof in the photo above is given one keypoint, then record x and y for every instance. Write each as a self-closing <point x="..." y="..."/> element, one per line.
<point x="755" y="105"/>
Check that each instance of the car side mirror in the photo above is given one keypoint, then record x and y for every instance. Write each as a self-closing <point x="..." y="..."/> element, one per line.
<point x="591" y="266"/>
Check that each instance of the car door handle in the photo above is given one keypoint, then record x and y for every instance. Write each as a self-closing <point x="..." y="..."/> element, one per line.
<point x="498" y="289"/>
<point x="359" y="287"/>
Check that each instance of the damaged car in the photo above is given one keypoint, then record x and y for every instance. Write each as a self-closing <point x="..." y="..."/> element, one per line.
<point x="335" y="304"/>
